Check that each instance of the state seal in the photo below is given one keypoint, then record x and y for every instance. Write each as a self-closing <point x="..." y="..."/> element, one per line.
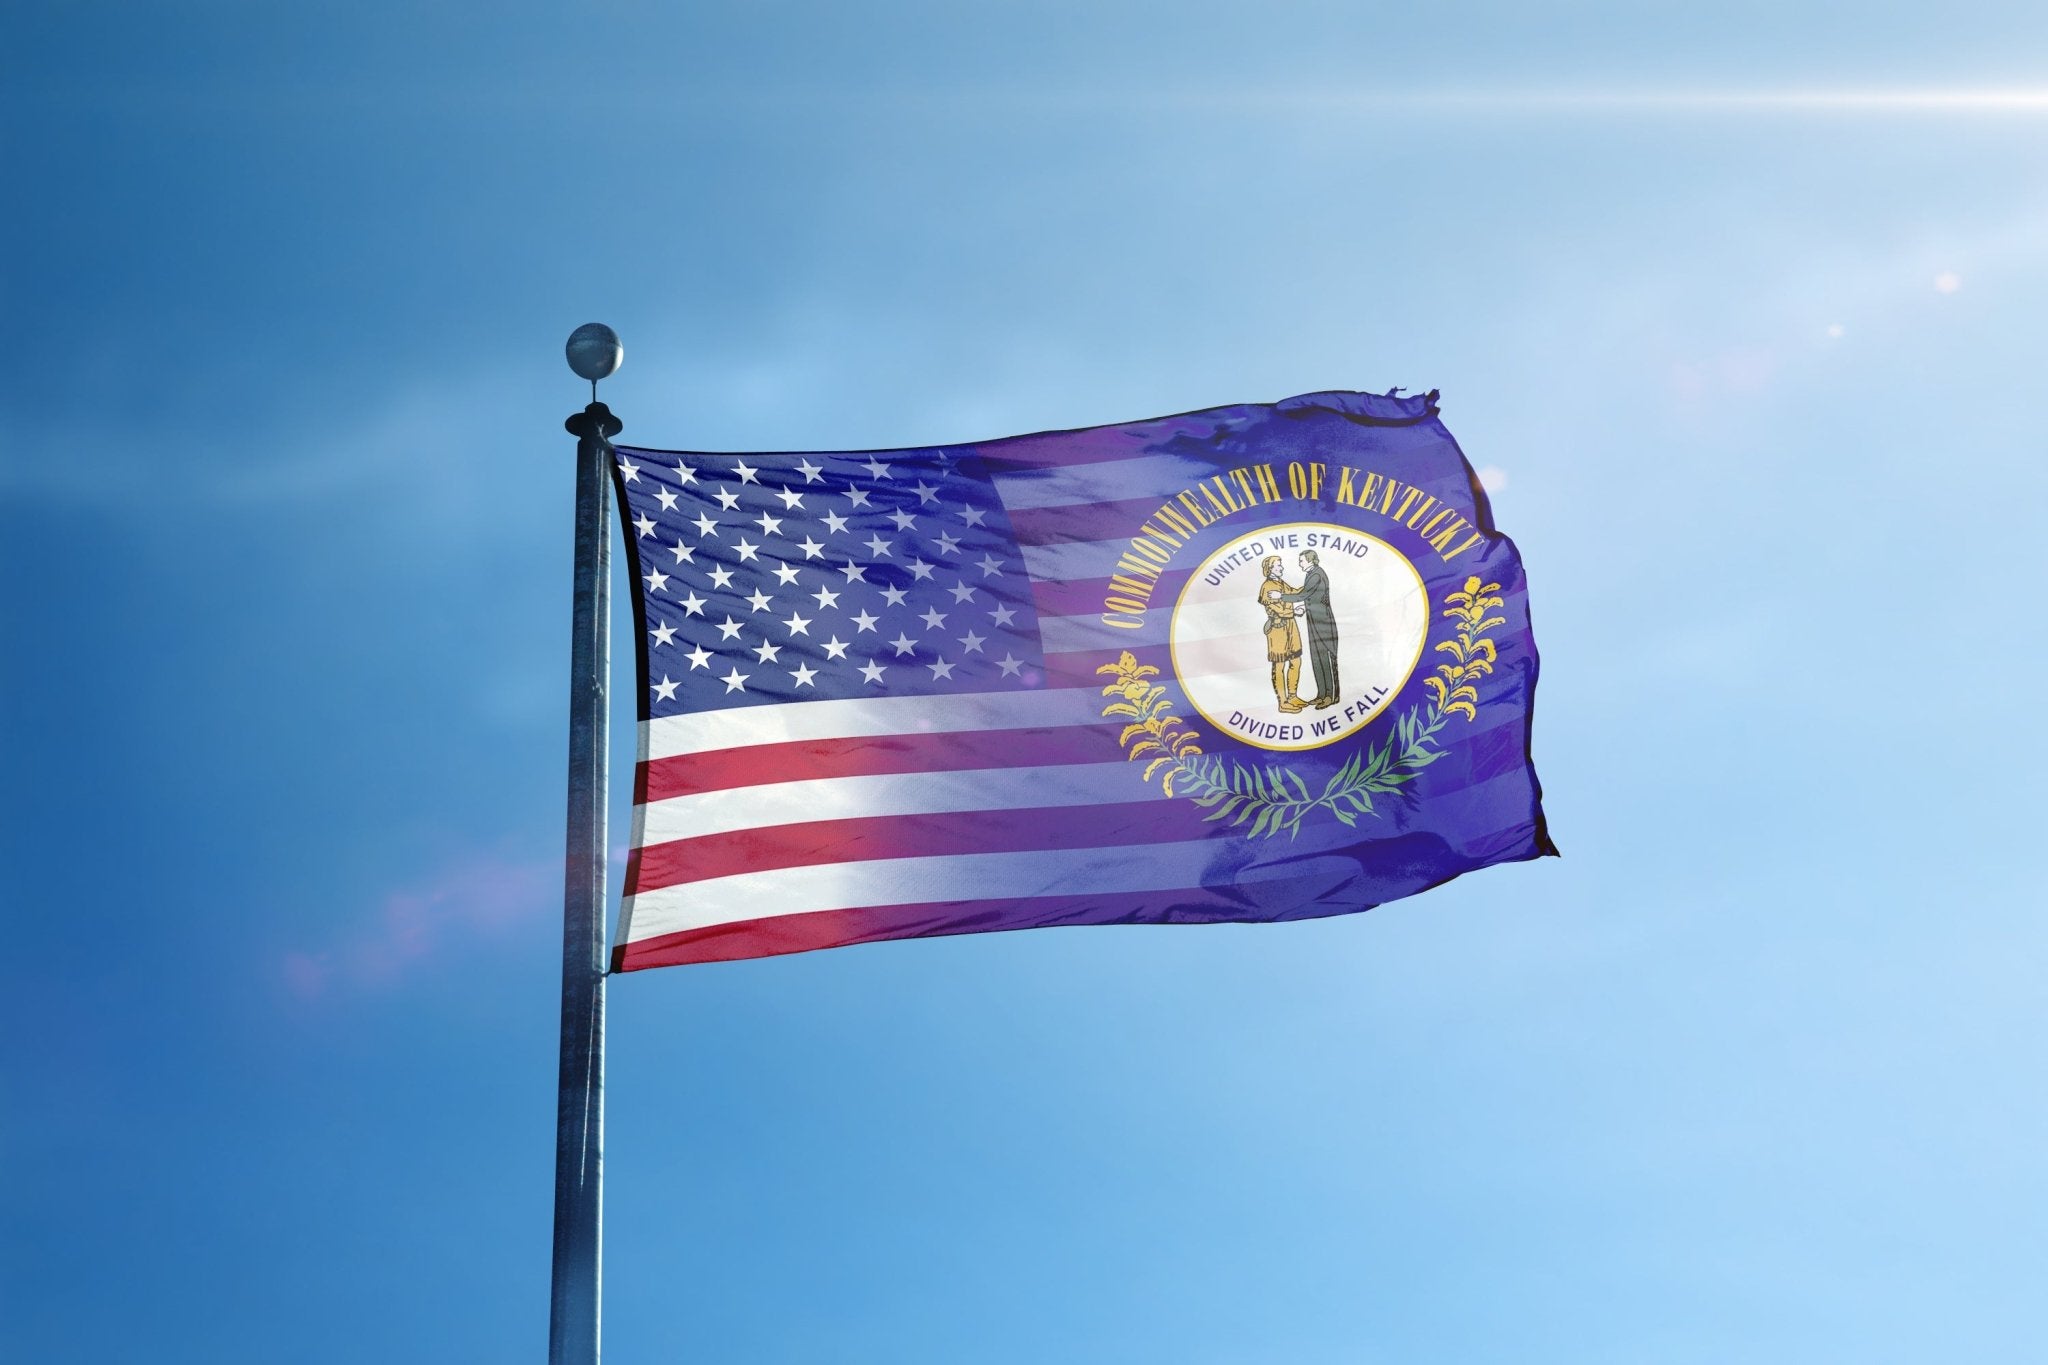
<point x="1295" y="636"/>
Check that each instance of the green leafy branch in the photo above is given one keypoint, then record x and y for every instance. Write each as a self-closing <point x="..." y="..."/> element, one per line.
<point x="1272" y="798"/>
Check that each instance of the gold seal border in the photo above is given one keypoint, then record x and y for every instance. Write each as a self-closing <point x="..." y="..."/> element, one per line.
<point x="1421" y="591"/>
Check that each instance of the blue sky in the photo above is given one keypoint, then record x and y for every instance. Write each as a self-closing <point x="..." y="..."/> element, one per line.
<point x="1753" y="1072"/>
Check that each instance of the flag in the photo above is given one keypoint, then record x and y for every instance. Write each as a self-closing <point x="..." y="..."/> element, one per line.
<point x="1260" y="662"/>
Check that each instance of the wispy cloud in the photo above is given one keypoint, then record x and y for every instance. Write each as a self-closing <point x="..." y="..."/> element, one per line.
<point x="475" y="898"/>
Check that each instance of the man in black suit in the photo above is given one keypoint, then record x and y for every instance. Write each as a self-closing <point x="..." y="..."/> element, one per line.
<point x="1322" y="628"/>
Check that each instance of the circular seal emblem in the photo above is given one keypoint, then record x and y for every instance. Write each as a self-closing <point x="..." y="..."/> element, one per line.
<point x="1294" y="636"/>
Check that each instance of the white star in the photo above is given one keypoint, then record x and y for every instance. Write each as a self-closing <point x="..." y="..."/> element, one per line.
<point x="811" y="548"/>
<point x="803" y="675"/>
<point x="834" y="649"/>
<point x="989" y="564"/>
<point x="644" y="526"/>
<point x="745" y="549"/>
<point x="770" y="526"/>
<point x="975" y="516"/>
<point x="904" y="644"/>
<point x="878" y="546"/>
<point x="758" y="600"/>
<point x="1009" y="663"/>
<point x="961" y="592"/>
<point x="809" y="470"/>
<point x="791" y="499"/>
<point x="766" y="652"/>
<point x="786" y="574"/>
<point x="666" y="499"/>
<point x="834" y="524"/>
<point x="920" y="570"/>
<point x="727" y="498"/>
<point x="721" y="577"/>
<point x="925" y="493"/>
<point x="699" y="657"/>
<point x="734" y="681"/>
<point x="904" y="521"/>
<point x="745" y="471"/>
<point x="892" y="597"/>
<point x="940" y="669"/>
<point x="856" y="498"/>
<point x="876" y="468"/>
<point x="693" y="605"/>
<point x="656" y="580"/>
<point x="685" y="475"/>
<point x="665" y="690"/>
<point x="798" y="625"/>
<point x="872" y="671"/>
<point x="1002" y="615"/>
<point x="706" y="526"/>
<point x="932" y="618"/>
<point x="973" y="642"/>
<point x="865" y="622"/>
<point x="948" y="545"/>
<point x="825" y="597"/>
<point x="684" y="554"/>
<point x="854" y="572"/>
<point x="628" y="471"/>
<point x="663" y="633"/>
<point x="730" y="630"/>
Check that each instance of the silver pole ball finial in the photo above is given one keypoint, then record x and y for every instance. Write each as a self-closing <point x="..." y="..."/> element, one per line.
<point x="594" y="351"/>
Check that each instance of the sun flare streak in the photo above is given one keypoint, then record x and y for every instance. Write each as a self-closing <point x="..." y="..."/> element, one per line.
<point x="2023" y="99"/>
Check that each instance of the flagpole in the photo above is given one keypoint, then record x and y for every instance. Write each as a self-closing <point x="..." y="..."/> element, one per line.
<point x="574" y="1316"/>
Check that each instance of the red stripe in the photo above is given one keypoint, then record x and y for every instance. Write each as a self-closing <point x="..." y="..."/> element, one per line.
<point x="814" y="843"/>
<point x="871" y="755"/>
<point x="1082" y="521"/>
<point x="837" y="928"/>
<point x="1097" y="445"/>
<point x="1088" y="596"/>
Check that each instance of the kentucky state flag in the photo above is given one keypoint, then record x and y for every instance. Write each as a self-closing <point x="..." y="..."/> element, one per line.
<point x="1261" y="662"/>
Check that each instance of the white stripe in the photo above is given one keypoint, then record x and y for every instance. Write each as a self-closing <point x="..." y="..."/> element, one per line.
<point x="876" y="794"/>
<point x="1110" y="481"/>
<point x="1078" y="634"/>
<point x="742" y="726"/>
<point x="1074" y="559"/>
<point x="915" y="881"/>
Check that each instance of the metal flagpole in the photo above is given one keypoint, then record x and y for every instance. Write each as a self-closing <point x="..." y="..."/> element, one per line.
<point x="573" y="1318"/>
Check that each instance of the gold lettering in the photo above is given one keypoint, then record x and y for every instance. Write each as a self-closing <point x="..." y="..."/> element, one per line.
<point x="1159" y="533"/>
<point x="1172" y="517"/>
<point x="1470" y="541"/>
<point x="1269" y="486"/>
<point x="1134" y="566"/>
<point x="1187" y="500"/>
<point x="1151" y="551"/>
<point x="1346" y="494"/>
<point x="1297" y="480"/>
<point x="1141" y="591"/>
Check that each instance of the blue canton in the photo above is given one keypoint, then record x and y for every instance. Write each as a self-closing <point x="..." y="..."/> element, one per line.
<point x="772" y="579"/>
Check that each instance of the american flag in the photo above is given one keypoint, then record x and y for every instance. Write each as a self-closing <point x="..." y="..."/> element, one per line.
<point x="870" y="705"/>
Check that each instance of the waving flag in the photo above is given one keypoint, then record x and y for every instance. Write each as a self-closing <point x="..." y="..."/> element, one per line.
<point x="1251" y="663"/>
